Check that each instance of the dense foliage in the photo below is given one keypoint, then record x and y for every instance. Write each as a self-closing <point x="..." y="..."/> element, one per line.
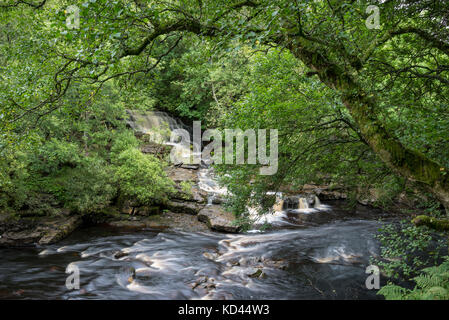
<point x="431" y="284"/>
<point x="358" y="108"/>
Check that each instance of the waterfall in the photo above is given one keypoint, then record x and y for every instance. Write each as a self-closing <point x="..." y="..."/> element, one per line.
<point x="159" y="126"/>
<point x="303" y="204"/>
<point x="148" y="122"/>
<point x="317" y="202"/>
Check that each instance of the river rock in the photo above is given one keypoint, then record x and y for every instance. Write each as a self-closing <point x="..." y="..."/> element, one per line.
<point x="258" y="274"/>
<point x="182" y="176"/>
<point x="158" y="150"/>
<point x="60" y="230"/>
<point x="120" y="254"/>
<point x="218" y="219"/>
<point x="178" y="174"/>
<point x="28" y="232"/>
<point x="183" y="207"/>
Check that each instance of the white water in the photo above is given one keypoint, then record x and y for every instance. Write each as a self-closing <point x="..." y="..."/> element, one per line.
<point x="159" y="125"/>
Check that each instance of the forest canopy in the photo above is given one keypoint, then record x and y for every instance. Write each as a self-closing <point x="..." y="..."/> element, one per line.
<point x="344" y="94"/>
<point x="358" y="91"/>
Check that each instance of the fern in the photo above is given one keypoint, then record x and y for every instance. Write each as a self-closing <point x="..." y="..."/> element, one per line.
<point x="431" y="284"/>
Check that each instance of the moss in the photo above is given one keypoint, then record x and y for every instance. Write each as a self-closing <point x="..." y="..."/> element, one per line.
<point x="433" y="223"/>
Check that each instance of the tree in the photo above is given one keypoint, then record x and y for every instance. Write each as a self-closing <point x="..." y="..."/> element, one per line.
<point x="366" y="67"/>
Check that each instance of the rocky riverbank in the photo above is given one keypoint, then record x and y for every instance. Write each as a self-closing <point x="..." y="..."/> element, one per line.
<point x="186" y="210"/>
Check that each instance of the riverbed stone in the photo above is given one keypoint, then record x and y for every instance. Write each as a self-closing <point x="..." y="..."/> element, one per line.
<point x="182" y="177"/>
<point x="59" y="230"/>
<point x="28" y="232"/>
<point x="180" y="206"/>
<point x="156" y="149"/>
<point x="166" y="220"/>
<point x="217" y="218"/>
<point x="178" y="174"/>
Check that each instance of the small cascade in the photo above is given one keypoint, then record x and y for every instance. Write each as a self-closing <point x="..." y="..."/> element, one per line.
<point x="303" y="203"/>
<point x="208" y="183"/>
<point x="279" y="204"/>
<point x="157" y="124"/>
<point x="317" y="202"/>
<point x="300" y="202"/>
<point x="159" y="127"/>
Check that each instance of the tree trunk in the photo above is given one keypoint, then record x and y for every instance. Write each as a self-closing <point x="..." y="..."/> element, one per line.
<point x="411" y="164"/>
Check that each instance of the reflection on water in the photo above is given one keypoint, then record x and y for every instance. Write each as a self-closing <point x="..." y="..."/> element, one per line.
<point x="326" y="261"/>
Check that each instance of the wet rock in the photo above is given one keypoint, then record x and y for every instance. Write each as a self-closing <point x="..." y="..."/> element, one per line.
<point x="158" y="150"/>
<point x="28" y="232"/>
<point x="21" y="238"/>
<point x="218" y="219"/>
<point x="18" y="292"/>
<point x="195" y="194"/>
<point x="258" y="274"/>
<point x="184" y="207"/>
<point x="182" y="177"/>
<point x="276" y="264"/>
<point x="190" y="166"/>
<point x="178" y="174"/>
<point x="210" y="256"/>
<point x="127" y="224"/>
<point x="120" y="254"/>
<point x="185" y="222"/>
<point x="60" y="230"/>
<point x="198" y="281"/>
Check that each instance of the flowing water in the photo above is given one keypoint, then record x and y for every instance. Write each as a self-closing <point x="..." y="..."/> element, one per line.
<point x="321" y="261"/>
<point x="313" y="251"/>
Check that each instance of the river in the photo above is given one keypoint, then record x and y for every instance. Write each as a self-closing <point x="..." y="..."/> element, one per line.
<point x="323" y="259"/>
<point x="311" y="253"/>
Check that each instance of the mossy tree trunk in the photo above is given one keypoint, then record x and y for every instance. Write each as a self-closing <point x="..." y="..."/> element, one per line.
<point x="411" y="164"/>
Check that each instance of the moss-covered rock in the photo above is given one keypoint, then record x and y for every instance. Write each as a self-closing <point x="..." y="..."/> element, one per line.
<point x="434" y="223"/>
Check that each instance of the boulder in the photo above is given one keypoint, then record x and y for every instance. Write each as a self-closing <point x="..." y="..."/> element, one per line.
<point x="195" y="194"/>
<point x="180" y="206"/>
<point x="146" y="211"/>
<point x="179" y="174"/>
<point x="26" y="232"/>
<point x="60" y="230"/>
<point x="183" y="176"/>
<point x="158" y="150"/>
<point x="218" y="219"/>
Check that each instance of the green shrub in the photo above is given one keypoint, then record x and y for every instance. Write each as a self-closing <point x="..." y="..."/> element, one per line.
<point x="141" y="177"/>
<point x="90" y="187"/>
<point x="54" y="155"/>
<point x="123" y="141"/>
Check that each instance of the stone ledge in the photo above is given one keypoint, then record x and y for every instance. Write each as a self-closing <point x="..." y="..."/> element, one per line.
<point x="218" y="219"/>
